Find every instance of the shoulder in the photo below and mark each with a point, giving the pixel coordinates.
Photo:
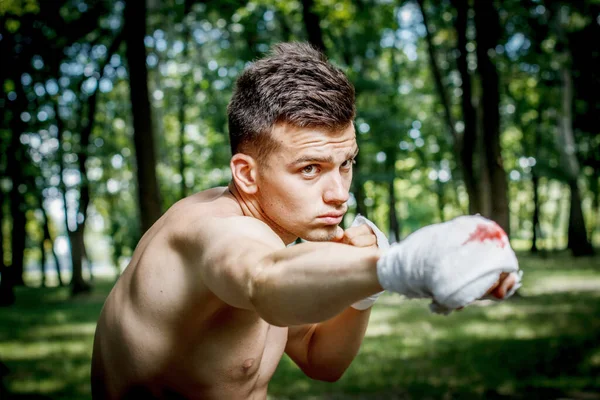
(200, 229)
(209, 218)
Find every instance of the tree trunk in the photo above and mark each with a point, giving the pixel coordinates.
(77, 236)
(483, 180)
(42, 244)
(312, 23)
(359, 190)
(488, 33)
(535, 223)
(14, 166)
(183, 103)
(183, 187)
(535, 181)
(286, 30)
(594, 187)
(56, 264)
(468, 142)
(394, 225)
(359, 194)
(441, 201)
(43, 261)
(117, 245)
(78, 284)
(61, 182)
(7, 295)
(78, 251)
(577, 235)
(48, 237)
(143, 135)
(437, 77)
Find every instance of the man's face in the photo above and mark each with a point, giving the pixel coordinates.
(304, 184)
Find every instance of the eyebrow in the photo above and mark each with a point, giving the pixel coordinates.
(320, 159)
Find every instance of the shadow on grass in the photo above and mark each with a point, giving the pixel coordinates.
(45, 342)
(541, 345)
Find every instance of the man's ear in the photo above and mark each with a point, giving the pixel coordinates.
(243, 170)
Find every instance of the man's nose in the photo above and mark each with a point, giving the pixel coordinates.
(336, 191)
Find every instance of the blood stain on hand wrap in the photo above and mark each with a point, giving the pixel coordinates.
(489, 231)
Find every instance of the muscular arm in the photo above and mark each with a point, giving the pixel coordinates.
(325, 350)
(246, 265)
(312, 282)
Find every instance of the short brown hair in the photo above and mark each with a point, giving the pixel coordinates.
(294, 84)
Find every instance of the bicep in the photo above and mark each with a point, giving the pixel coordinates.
(298, 344)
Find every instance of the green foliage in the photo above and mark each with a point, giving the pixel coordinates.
(18, 8)
(195, 55)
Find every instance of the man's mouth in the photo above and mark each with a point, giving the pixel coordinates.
(332, 218)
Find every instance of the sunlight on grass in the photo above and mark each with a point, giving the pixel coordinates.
(557, 284)
(39, 385)
(547, 340)
(594, 358)
(16, 350)
(67, 330)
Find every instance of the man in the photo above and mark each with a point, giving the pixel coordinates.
(213, 297)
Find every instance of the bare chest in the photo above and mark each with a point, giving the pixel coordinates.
(232, 355)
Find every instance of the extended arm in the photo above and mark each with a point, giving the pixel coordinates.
(312, 282)
(246, 265)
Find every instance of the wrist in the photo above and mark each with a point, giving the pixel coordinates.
(376, 259)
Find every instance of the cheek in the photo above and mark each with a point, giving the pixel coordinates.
(348, 180)
(304, 199)
(287, 193)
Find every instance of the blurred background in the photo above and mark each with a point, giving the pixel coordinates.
(111, 111)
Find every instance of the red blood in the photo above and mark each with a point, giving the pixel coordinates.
(488, 232)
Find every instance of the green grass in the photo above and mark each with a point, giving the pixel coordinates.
(543, 344)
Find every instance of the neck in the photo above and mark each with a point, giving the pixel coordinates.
(251, 208)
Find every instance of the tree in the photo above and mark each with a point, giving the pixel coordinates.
(41, 29)
(467, 144)
(143, 132)
(16, 161)
(312, 23)
(577, 235)
(488, 34)
(7, 295)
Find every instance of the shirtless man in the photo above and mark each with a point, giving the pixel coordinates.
(213, 297)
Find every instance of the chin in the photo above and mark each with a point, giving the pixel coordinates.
(320, 235)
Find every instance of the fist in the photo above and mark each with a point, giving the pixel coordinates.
(502, 286)
(357, 236)
(454, 263)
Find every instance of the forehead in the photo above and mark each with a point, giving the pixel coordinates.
(294, 141)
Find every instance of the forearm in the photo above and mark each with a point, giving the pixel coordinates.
(313, 282)
(335, 343)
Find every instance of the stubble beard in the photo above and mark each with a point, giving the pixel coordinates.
(320, 235)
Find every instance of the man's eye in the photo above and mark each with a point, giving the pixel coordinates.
(348, 163)
(310, 169)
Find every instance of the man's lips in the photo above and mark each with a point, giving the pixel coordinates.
(333, 218)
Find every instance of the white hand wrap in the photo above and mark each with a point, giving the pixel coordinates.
(383, 244)
(454, 263)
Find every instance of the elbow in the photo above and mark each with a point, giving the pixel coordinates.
(331, 375)
(331, 378)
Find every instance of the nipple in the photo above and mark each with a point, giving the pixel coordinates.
(247, 364)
